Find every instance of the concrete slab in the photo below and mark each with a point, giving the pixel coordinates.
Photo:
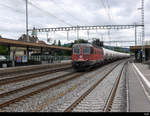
(144, 69)
(138, 99)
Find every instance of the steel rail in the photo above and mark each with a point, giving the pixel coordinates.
(34, 85)
(17, 99)
(7, 103)
(29, 94)
(109, 102)
(31, 76)
(64, 92)
(74, 104)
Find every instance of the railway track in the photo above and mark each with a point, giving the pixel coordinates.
(70, 90)
(110, 100)
(4, 73)
(19, 94)
(107, 105)
(30, 90)
(31, 75)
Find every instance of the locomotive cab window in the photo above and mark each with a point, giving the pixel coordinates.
(91, 50)
(76, 50)
(86, 50)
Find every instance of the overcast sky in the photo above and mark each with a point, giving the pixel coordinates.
(58, 13)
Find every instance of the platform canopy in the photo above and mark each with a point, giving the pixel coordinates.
(16, 43)
(135, 48)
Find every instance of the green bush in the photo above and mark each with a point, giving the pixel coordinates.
(3, 50)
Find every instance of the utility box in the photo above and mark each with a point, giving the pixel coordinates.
(4, 65)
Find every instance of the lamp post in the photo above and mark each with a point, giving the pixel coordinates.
(27, 20)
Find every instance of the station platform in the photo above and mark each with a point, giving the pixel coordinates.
(138, 84)
(31, 67)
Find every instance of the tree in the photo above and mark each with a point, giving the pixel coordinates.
(59, 43)
(68, 45)
(54, 42)
(3, 50)
(33, 39)
(80, 41)
(66, 53)
(118, 49)
(97, 42)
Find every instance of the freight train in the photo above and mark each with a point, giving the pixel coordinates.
(86, 55)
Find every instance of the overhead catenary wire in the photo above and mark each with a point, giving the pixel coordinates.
(69, 14)
(109, 11)
(47, 12)
(15, 10)
(106, 5)
(109, 17)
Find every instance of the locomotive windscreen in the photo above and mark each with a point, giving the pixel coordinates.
(76, 50)
(86, 50)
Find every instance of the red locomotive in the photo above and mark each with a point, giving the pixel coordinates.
(86, 55)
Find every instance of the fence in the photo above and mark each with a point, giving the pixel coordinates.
(35, 59)
(49, 58)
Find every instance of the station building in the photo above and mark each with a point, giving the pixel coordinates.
(20, 50)
(137, 50)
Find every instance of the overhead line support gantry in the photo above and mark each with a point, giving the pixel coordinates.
(74, 28)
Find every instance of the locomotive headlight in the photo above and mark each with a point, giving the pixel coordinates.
(80, 56)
